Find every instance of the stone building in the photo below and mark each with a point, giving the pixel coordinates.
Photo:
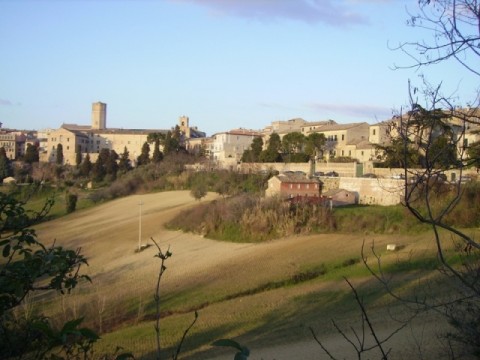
(13, 142)
(229, 146)
(92, 139)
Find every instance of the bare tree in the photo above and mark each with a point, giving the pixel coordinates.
(436, 131)
(455, 29)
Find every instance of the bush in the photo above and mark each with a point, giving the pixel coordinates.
(71, 202)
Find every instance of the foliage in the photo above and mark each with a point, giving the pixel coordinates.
(124, 161)
(31, 154)
(314, 145)
(473, 153)
(78, 156)
(59, 158)
(157, 154)
(272, 152)
(199, 189)
(5, 164)
(71, 202)
(86, 166)
(293, 143)
(253, 154)
(144, 157)
(28, 267)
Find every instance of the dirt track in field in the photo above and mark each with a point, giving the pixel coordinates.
(108, 235)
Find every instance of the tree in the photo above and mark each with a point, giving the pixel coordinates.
(253, 154)
(314, 145)
(171, 143)
(473, 153)
(28, 267)
(432, 128)
(59, 159)
(86, 166)
(272, 152)
(31, 154)
(292, 143)
(111, 165)
(144, 157)
(455, 30)
(5, 166)
(124, 162)
(454, 26)
(199, 189)
(399, 154)
(157, 154)
(99, 169)
(78, 156)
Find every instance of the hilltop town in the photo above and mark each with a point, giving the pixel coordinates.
(357, 141)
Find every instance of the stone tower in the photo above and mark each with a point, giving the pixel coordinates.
(99, 116)
(183, 123)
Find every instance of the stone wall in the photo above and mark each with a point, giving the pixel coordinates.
(374, 191)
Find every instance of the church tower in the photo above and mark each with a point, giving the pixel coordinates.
(183, 123)
(99, 116)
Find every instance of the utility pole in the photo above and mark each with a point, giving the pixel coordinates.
(140, 226)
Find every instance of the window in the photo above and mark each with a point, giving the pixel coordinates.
(291, 186)
(373, 131)
(308, 186)
(336, 139)
(298, 186)
(343, 137)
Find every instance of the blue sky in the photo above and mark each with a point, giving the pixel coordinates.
(224, 63)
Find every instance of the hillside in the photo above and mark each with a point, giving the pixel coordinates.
(255, 293)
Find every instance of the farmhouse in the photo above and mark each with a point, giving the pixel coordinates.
(292, 185)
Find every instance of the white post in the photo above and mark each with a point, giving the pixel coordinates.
(140, 226)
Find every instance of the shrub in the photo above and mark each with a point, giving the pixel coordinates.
(71, 202)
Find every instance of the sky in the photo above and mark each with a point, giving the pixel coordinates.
(223, 63)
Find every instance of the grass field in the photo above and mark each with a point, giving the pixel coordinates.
(264, 295)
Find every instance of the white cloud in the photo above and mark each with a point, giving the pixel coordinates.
(332, 12)
(367, 112)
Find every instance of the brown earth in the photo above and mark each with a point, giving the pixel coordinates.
(108, 235)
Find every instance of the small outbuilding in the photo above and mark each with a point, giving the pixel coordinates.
(341, 197)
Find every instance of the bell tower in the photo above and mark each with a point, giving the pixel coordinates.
(184, 124)
(99, 116)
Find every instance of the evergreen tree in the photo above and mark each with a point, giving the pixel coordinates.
(31, 154)
(78, 156)
(111, 166)
(124, 162)
(86, 166)
(144, 157)
(5, 167)
(59, 160)
(272, 152)
(314, 145)
(157, 154)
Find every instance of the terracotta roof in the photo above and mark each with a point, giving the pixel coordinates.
(294, 178)
(336, 127)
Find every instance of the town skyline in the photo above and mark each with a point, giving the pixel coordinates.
(223, 64)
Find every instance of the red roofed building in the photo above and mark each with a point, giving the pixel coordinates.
(293, 185)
